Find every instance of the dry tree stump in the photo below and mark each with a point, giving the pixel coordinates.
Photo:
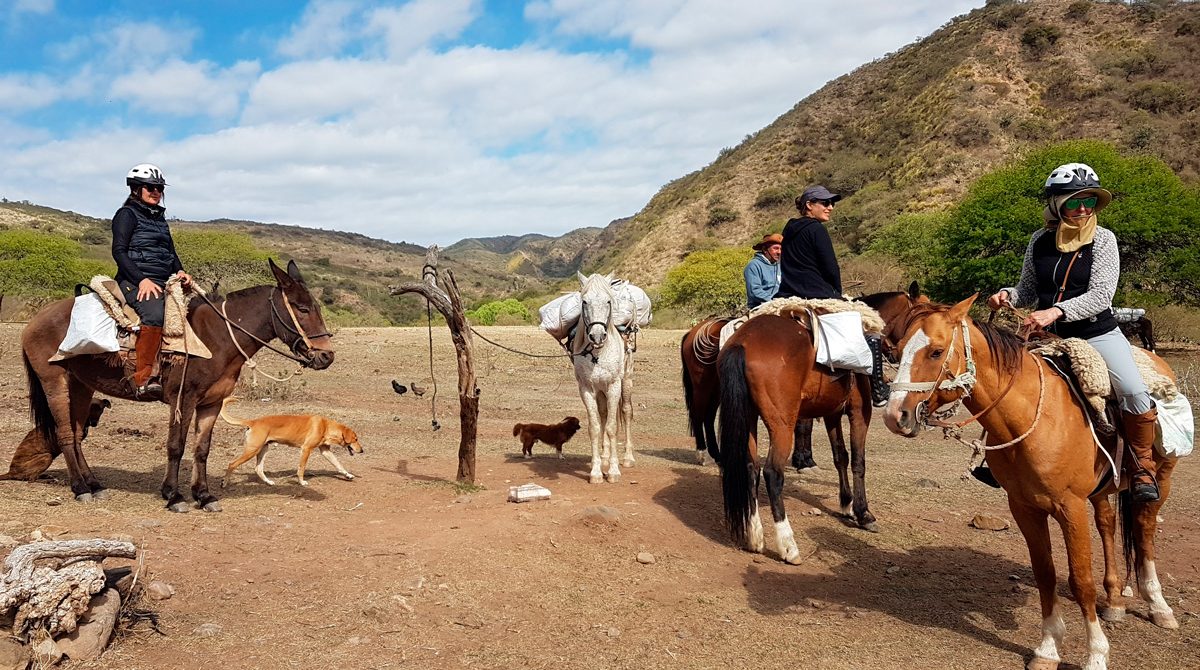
(47, 600)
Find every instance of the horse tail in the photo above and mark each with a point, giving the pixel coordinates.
(688, 392)
(1128, 541)
(738, 481)
(229, 419)
(39, 405)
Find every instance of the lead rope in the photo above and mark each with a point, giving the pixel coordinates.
(250, 362)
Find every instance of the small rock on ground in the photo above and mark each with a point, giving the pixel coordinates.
(160, 590)
(645, 558)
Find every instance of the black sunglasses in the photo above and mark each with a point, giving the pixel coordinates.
(826, 203)
(153, 187)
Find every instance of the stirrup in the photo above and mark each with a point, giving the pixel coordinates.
(1143, 491)
(153, 390)
(984, 474)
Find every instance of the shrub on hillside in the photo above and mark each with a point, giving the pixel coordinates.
(708, 282)
(720, 215)
(773, 196)
(508, 311)
(231, 258)
(34, 263)
(1158, 97)
(1006, 14)
(1039, 38)
(914, 240)
(1155, 217)
(1078, 10)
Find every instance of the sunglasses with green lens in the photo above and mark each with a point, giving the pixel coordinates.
(1076, 203)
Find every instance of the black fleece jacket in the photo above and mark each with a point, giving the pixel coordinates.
(808, 264)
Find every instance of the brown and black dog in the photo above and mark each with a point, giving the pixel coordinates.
(555, 435)
(34, 455)
(304, 431)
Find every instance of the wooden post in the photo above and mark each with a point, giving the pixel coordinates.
(449, 303)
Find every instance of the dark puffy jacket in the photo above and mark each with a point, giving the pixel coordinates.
(142, 244)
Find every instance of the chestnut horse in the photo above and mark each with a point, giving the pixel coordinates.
(701, 392)
(60, 393)
(1038, 448)
(768, 369)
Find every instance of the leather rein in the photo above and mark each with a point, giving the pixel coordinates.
(301, 336)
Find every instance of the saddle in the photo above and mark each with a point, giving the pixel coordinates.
(178, 339)
(806, 310)
(1085, 372)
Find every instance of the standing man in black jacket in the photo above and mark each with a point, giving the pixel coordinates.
(810, 268)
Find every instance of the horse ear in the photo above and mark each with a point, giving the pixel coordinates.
(914, 290)
(282, 278)
(294, 272)
(959, 311)
(582, 279)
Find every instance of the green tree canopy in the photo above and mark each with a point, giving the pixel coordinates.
(488, 312)
(1155, 217)
(708, 281)
(231, 258)
(33, 263)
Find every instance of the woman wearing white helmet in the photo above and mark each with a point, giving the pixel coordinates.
(146, 258)
(1070, 274)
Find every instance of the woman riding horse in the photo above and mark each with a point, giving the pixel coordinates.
(1070, 273)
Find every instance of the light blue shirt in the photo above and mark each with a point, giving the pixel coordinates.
(762, 280)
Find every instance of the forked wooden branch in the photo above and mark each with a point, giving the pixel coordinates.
(449, 303)
(50, 598)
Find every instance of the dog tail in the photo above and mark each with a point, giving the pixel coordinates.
(517, 429)
(229, 419)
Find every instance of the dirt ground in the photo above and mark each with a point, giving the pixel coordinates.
(402, 568)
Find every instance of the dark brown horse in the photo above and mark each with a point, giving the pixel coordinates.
(768, 370)
(60, 393)
(1141, 328)
(701, 391)
(1040, 449)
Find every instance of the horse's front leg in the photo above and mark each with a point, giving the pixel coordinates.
(1036, 529)
(206, 417)
(1072, 516)
(860, 419)
(781, 430)
(612, 417)
(595, 432)
(176, 441)
(1106, 525)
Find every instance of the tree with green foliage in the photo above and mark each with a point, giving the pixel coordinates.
(487, 313)
(230, 257)
(33, 263)
(708, 281)
(1155, 217)
(914, 240)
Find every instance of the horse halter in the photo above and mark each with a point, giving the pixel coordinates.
(963, 381)
(301, 338)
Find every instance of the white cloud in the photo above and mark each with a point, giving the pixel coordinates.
(412, 26)
(187, 88)
(33, 6)
(431, 146)
(322, 31)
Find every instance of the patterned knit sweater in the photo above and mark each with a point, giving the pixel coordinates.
(1106, 270)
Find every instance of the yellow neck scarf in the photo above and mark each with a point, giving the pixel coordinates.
(1070, 234)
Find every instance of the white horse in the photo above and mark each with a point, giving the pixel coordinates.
(603, 368)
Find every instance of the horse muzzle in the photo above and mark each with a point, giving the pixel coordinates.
(901, 419)
(319, 359)
(597, 335)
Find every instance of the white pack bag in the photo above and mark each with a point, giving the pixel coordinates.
(632, 306)
(91, 331)
(1176, 429)
(840, 342)
(560, 314)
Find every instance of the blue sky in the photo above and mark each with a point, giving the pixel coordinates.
(425, 121)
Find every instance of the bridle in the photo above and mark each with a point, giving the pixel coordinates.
(301, 338)
(294, 328)
(589, 348)
(964, 382)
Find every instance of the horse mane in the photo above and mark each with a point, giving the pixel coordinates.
(877, 300)
(1005, 345)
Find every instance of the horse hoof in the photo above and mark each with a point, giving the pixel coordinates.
(1042, 664)
(1113, 614)
(614, 479)
(213, 506)
(526, 455)
(870, 527)
(85, 497)
(700, 458)
(793, 557)
(179, 507)
(1164, 620)
(101, 494)
(808, 469)
(596, 479)
(627, 463)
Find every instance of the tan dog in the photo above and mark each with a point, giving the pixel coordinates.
(555, 435)
(304, 431)
(33, 456)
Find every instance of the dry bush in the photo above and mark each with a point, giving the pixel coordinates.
(1175, 323)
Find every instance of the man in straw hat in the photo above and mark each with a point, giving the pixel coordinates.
(762, 272)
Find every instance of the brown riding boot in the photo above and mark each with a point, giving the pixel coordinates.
(1139, 435)
(145, 385)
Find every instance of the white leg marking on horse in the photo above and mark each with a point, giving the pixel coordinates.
(754, 539)
(916, 343)
(1160, 612)
(1097, 647)
(787, 541)
(1053, 630)
(702, 457)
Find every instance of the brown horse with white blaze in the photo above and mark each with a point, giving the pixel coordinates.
(60, 393)
(1039, 448)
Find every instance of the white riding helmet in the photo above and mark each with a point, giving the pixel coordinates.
(1070, 178)
(145, 173)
